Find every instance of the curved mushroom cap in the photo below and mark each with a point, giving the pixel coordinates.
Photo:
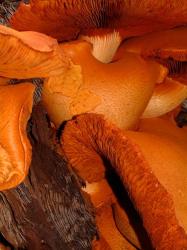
(151, 197)
(119, 90)
(34, 54)
(160, 44)
(66, 19)
(164, 147)
(166, 97)
(15, 149)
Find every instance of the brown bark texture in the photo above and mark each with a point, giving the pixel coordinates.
(47, 211)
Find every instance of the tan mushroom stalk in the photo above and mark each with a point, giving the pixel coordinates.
(15, 149)
(104, 45)
(120, 90)
(150, 196)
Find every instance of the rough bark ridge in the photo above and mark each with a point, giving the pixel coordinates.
(48, 210)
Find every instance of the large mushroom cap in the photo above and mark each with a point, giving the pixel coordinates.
(66, 19)
(120, 90)
(154, 198)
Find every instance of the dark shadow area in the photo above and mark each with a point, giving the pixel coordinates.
(127, 205)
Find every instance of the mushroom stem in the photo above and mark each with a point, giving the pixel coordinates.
(104, 45)
(150, 198)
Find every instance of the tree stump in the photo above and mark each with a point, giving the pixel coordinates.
(48, 211)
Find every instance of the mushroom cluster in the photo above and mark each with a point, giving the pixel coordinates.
(116, 72)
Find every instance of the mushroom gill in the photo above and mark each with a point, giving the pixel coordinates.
(66, 19)
(15, 149)
(152, 197)
(34, 54)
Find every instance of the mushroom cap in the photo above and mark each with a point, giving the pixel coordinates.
(15, 149)
(34, 54)
(164, 148)
(151, 197)
(170, 49)
(166, 97)
(66, 19)
(160, 44)
(120, 90)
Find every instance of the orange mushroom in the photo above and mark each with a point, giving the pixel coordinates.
(15, 149)
(120, 90)
(166, 97)
(23, 55)
(149, 192)
(66, 19)
(34, 54)
(168, 48)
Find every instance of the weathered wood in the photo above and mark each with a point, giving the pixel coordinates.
(48, 210)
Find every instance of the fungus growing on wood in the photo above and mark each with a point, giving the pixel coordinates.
(145, 77)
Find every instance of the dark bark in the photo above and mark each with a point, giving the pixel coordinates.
(47, 211)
